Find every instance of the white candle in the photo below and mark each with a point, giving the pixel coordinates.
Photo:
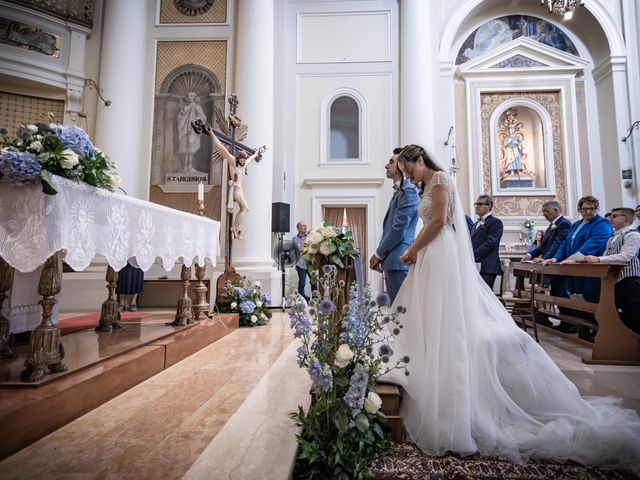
(201, 192)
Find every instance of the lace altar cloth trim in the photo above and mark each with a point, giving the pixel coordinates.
(85, 221)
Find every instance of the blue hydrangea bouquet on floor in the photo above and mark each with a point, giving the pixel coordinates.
(345, 352)
(42, 149)
(244, 297)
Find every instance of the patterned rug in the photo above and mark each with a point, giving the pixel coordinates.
(406, 462)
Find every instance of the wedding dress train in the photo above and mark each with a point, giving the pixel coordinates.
(477, 382)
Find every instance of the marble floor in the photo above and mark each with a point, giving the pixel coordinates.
(222, 414)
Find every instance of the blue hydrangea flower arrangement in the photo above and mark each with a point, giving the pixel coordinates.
(344, 353)
(44, 149)
(245, 298)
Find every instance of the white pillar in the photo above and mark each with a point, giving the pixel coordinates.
(254, 87)
(416, 79)
(118, 126)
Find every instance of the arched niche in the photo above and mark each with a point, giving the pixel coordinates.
(187, 92)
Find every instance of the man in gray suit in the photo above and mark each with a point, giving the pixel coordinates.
(398, 229)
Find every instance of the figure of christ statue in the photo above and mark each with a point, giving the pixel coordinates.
(237, 171)
(189, 141)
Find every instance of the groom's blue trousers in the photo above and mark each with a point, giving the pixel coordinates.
(394, 279)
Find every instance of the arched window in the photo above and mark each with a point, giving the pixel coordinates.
(344, 130)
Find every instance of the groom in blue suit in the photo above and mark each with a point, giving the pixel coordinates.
(398, 229)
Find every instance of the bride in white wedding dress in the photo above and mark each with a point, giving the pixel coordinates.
(479, 383)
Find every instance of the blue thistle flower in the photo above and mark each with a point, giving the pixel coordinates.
(385, 350)
(327, 269)
(326, 306)
(383, 300)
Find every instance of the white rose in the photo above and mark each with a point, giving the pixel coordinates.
(314, 237)
(234, 305)
(257, 284)
(114, 180)
(97, 150)
(328, 232)
(263, 316)
(311, 249)
(372, 403)
(35, 145)
(324, 248)
(53, 126)
(38, 137)
(32, 128)
(258, 304)
(254, 319)
(70, 159)
(343, 356)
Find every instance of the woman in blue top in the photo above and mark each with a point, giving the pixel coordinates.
(587, 236)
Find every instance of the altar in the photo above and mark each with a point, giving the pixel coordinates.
(37, 231)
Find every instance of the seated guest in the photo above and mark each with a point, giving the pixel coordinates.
(587, 236)
(555, 234)
(537, 240)
(607, 216)
(485, 239)
(624, 246)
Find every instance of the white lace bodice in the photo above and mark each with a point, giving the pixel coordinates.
(441, 180)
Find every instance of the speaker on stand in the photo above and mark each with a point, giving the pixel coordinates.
(285, 251)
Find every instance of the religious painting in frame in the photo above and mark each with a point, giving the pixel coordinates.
(521, 149)
(534, 120)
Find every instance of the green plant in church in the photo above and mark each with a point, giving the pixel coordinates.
(344, 352)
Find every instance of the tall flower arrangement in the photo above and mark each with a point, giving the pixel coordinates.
(244, 297)
(344, 352)
(326, 240)
(41, 149)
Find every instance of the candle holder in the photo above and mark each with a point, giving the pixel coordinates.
(200, 304)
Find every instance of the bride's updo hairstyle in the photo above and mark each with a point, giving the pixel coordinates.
(412, 152)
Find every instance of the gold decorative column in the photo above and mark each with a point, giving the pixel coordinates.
(184, 313)
(110, 315)
(45, 348)
(5, 286)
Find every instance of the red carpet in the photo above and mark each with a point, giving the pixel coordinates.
(90, 320)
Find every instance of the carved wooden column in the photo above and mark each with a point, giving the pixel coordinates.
(5, 327)
(45, 348)
(110, 315)
(184, 313)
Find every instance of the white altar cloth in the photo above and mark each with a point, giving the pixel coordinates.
(85, 221)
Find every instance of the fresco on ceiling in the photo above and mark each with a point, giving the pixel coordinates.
(501, 30)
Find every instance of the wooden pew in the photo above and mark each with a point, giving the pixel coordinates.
(614, 343)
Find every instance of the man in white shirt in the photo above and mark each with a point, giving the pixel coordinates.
(624, 246)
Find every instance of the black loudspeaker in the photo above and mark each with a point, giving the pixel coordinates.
(279, 217)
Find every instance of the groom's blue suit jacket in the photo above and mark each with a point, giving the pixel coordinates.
(399, 227)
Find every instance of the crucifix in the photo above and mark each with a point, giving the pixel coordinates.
(236, 160)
